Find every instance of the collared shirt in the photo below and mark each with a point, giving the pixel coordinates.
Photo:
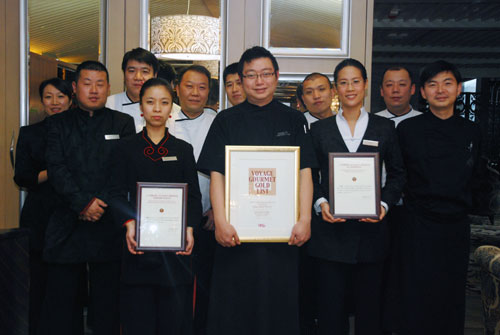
(194, 131)
(311, 118)
(398, 118)
(122, 103)
(351, 141)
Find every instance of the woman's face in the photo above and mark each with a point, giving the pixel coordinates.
(54, 101)
(156, 104)
(350, 87)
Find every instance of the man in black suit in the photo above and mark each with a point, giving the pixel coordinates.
(350, 253)
(81, 232)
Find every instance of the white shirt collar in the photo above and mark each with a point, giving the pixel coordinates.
(352, 141)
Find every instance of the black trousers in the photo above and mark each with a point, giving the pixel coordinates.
(433, 268)
(337, 282)
(203, 260)
(308, 307)
(63, 297)
(156, 310)
(391, 305)
(38, 283)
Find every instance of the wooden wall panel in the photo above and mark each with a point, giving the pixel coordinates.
(123, 34)
(40, 69)
(9, 109)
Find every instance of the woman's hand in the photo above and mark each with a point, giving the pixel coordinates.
(189, 243)
(326, 215)
(381, 216)
(130, 237)
(42, 176)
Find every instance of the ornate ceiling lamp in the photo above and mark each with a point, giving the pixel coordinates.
(185, 37)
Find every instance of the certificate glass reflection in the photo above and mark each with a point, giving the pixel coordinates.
(354, 185)
(261, 192)
(161, 216)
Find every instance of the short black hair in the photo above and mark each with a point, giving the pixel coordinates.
(349, 62)
(196, 68)
(314, 75)
(156, 82)
(60, 84)
(230, 69)
(254, 53)
(299, 92)
(166, 71)
(93, 66)
(431, 70)
(142, 56)
(397, 67)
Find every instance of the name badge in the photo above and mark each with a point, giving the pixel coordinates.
(169, 159)
(112, 137)
(370, 143)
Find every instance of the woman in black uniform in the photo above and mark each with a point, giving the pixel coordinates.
(31, 174)
(350, 253)
(156, 292)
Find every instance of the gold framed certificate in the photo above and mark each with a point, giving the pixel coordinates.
(354, 185)
(261, 185)
(161, 216)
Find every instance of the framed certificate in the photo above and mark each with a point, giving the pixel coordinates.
(262, 191)
(161, 216)
(354, 185)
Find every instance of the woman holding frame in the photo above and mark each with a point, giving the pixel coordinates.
(156, 291)
(350, 253)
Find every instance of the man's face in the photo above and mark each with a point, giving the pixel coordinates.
(91, 90)
(234, 90)
(397, 90)
(317, 96)
(260, 81)
(441, 91)
(136, 74)
(193, 92)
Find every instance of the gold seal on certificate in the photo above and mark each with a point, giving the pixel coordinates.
(354, 185)
(161, 216)
(262, 191)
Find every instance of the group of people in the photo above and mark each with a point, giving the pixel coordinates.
(403, 272)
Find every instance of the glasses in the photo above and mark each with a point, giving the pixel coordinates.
(254, 76)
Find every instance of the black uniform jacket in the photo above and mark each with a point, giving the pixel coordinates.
(354, 241)
(41, 199)
(78, 156)
(138, 159)
(442, 162)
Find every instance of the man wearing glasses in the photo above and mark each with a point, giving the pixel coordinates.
(255, 285)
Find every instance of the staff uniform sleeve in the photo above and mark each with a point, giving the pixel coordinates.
(26, 168)
(396, 173)
(319, 191)
(194, 211)
(213, 153)
(119, 191)
(303, 139)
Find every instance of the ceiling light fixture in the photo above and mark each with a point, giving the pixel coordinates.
(186, 37)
